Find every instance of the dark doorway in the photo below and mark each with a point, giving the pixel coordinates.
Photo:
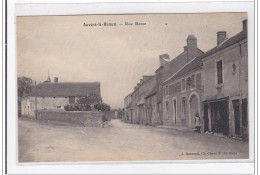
(174, 111)
(244, 113)
(236, 116)
(220, 117)
(206, 118)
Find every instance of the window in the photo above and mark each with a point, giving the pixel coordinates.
(166, 90)
(58, 107)
(183, 85)
(192, 81)
(71, 99)
(219, 72)
(159, 107)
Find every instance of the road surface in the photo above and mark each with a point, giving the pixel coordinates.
(41, 141)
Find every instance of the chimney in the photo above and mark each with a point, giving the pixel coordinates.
(244, 24)
(191, 47)
(55, 79)
(221, 36)
(163, 59)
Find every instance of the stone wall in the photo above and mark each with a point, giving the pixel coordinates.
(85, 118)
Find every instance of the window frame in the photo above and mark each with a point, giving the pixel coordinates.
(183, 85)
(216, 72)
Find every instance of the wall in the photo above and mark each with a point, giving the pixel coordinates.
(85, 118)
(151, 111)
(29, 104)
(235, 85)
(232, 84)
(184, 116)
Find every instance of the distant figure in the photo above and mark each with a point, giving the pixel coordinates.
(197, 122)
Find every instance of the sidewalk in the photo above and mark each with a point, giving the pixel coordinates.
(186, 129)
(179, 128)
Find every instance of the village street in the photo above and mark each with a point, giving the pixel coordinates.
(42, 141)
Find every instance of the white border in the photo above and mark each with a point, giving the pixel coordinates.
(119, 8)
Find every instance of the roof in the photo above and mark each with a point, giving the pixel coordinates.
(235, 39)
(152, 92)
(176, 64)
(195, 63)
(66, 89)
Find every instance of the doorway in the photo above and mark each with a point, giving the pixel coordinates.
(174, 102)
(236, 116)
(206, 118)
(220, 117)
(194, 109)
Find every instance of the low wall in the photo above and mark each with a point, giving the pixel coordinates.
(85, 118)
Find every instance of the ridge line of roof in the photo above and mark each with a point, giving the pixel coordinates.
(179, 70)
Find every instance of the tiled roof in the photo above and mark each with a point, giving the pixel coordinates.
(175, 64)
(187, 68)
(66, 89)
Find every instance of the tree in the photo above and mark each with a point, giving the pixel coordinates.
(102, 107)
(24, 86)
(88, 100)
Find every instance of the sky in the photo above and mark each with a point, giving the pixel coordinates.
(116, 56)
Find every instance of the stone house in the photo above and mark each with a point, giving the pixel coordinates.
(151, 110)
(142, 89)
(169, 68)
(56, 95)
(225, 82)
(128, 108)
(182, 95)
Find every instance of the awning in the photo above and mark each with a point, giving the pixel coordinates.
(215, 100)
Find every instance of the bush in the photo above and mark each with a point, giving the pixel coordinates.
(102, 107)
(77, 107)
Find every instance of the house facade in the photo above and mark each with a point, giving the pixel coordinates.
(128, 108)
(50, 96)
(142, 89)
(225, 81)
(182, 95)
(169, 68)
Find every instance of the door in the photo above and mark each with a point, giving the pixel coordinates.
(174, 102)
(236, 116)
(220, 117)
(244, 113)
(206, 118)
(194, 109)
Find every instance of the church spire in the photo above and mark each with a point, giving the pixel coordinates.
(48, 79)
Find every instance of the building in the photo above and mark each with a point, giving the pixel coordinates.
(182, 95)
(168, 68)
(212, 84)
(225, 82)
(143, 88)
(128, 108)
(56, 95)
(152, 112)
